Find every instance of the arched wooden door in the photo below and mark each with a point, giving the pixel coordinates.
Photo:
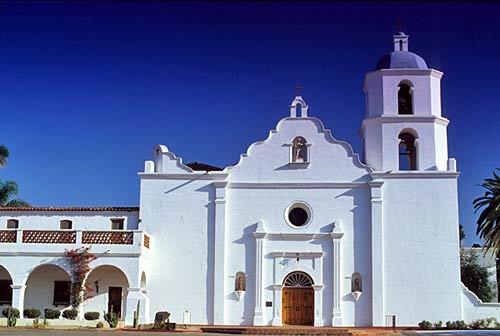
(298, 299)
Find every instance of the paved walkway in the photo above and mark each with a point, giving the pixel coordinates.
(93, 332)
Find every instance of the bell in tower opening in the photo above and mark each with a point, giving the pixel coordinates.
(404, 99)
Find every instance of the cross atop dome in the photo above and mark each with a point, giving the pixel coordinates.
(298, 90)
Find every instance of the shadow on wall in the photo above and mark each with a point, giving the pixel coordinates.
(361, 233)
(209, 278)
(249, 300)
(326, 247)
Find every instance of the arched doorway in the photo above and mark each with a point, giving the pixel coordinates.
(5, 287)
(109, 290)
(298, 299)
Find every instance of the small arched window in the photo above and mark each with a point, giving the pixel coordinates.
(356, 282)
(240, 282)
(299, 150)
(407, 152)
(12, 224)
(405, 99)
(65, 224)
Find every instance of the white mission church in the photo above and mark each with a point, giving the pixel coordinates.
(301, 231)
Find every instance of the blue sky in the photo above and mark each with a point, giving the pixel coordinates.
(87, 89)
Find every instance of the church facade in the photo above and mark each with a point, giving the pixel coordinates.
(301, 231)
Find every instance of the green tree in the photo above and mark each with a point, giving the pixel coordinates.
(4, 154)
(474, 276)
(8, 189)
(461, 234)
(488, 222)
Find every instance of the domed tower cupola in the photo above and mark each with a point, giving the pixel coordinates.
(401, 58)
(403, 128)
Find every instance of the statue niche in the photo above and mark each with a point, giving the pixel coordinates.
(299, 150)
(240, 282)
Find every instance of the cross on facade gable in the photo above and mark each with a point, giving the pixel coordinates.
(158, 150)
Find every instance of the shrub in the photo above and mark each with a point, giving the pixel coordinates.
(14, 312)
(70, 314)
(457, 325)
(438, 325)
(92, 315)
(99, 325)
(11, 314)
(32, 313)
(51, 314)
(112, 319)
(479, 324)
(493, 323)
(425, 325)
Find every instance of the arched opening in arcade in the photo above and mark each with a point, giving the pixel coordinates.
(48, 286)
(5, 288)
(108, 290)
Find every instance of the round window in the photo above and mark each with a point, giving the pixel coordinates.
(298, 214)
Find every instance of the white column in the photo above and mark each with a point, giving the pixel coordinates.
(318, 305)
(219, 253)
(79, 237)
(259, 235)
(134, 296)
(278, 291)
(144, 315)
(378, 309)
(337, 276)
(18, 298)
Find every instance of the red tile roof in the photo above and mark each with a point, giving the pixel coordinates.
(200, 166)
(121, 209)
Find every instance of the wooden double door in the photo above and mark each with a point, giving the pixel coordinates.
(298, 306)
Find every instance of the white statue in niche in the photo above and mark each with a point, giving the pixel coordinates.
(299, 149)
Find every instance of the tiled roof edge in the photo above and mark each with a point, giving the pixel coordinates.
(125, 209)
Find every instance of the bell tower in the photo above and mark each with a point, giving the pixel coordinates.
(403, 128)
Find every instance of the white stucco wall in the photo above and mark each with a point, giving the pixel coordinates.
(180, 217)
(348, 207)
(82, 220)
(421, 253)
(473, 308)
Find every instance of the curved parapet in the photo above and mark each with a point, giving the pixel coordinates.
(164, 162)
(474, 308)
(327, 157)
